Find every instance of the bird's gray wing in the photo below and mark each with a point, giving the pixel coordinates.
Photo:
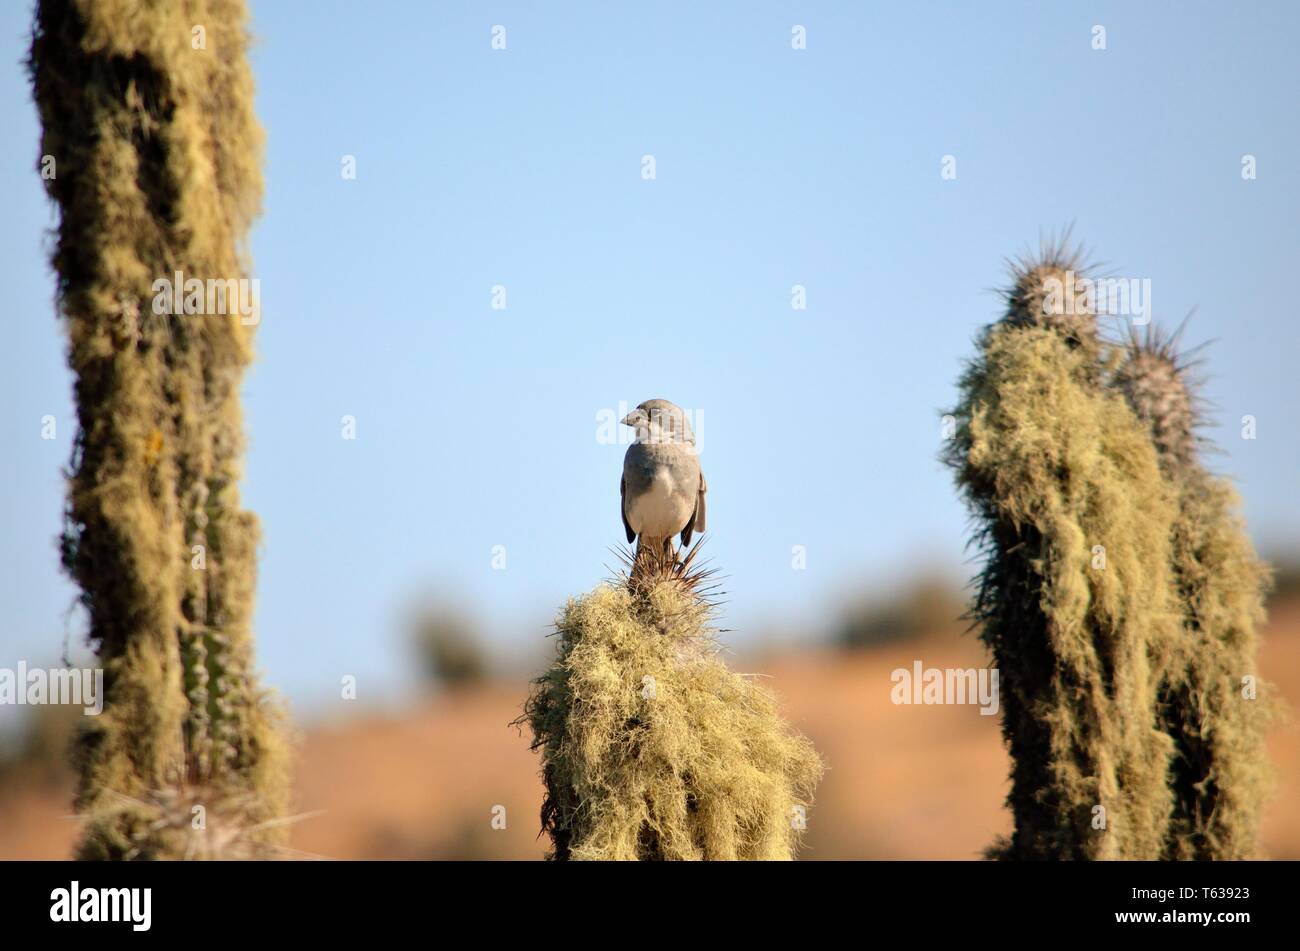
(622, 509)
(699, 503)
(696, 524)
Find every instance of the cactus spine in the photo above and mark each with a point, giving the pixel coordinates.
(147, 109)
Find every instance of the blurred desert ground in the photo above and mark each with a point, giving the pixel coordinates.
(904, 782)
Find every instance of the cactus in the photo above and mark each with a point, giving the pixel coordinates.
(146, 108)
(651, 748)
(1160, 389)
(1123, 677)
(1219, 772)
(1039, 296)
(1075, 599)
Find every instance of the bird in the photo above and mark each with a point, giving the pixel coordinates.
(663, 487)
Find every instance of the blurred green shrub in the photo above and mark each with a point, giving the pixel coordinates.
(449, 647)
(927, 605)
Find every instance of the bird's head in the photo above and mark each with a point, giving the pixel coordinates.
(660, 421)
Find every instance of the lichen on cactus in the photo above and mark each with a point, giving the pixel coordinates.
(651, 748)
(146, 108)
(1212, 704)
(1074, 601)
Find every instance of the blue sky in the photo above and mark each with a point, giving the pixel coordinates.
(774, 167)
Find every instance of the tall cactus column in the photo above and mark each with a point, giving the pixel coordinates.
(1212, 704)
(147, 113)
(1075, 600)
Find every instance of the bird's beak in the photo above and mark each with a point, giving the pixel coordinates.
(637, 416)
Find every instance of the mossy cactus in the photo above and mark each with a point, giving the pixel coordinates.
(651, 748)
(1073, 520)
(1120, 594)
(147, 113)
(1212, 705)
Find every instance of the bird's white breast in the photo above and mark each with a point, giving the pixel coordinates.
(663, 509)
